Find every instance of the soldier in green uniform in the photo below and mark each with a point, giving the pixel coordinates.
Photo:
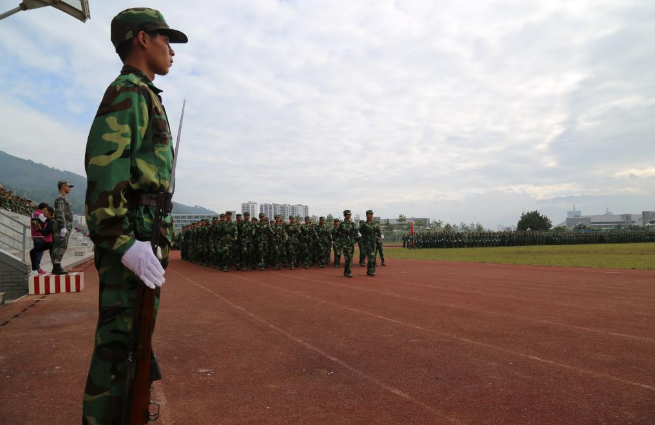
(63, 226)
(228, 241)
(308, 237)
(348, 235)
(378, 243)
(293, 231)
(323, 243)
(129, 156)
(368, 232)
(279, 242)
(263, 232)
(245, 240)
(336, 243)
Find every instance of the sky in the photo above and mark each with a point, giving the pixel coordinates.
(456, 111)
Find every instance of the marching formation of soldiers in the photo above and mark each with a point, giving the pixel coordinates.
(488, 239)
(251, 243)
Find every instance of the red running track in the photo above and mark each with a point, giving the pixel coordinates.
(420, 343)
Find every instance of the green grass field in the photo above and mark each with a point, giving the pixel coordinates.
(616, 256)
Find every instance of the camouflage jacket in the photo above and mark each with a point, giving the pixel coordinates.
(63, 212)
(347, 233)
(324, 234)
(129, 151)
(294, 233)
(308, 233)
(368, 231)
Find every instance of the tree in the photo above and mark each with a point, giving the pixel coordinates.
(436, 225)
(534, 221)
(479, 227)
(448, 227)
(388, 226)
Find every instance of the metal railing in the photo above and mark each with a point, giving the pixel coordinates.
(13, 240)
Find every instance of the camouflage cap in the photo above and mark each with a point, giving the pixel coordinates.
(369, 212)
(239, 215)
(336, 220)
(346, 212)
(61, 183)
(127, 24)
(246, 213)
(308, 218)
(222, 215)
(321, 218)
(228, 212)
(292, 217)
(277, 216)
(262, 215)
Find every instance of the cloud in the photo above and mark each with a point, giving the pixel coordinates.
(438, 109)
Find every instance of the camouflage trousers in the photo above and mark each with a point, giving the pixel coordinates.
(369, 251)
(262, 250)
(59, 247)
(348, 251)
(105, 389)
(338, 249)
(380, 250)
(292, 253)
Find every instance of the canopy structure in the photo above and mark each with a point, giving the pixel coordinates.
(78, 9)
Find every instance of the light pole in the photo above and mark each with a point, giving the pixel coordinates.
(78, 9)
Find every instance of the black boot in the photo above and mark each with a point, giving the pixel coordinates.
(56, 269)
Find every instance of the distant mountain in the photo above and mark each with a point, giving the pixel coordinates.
(38, 183)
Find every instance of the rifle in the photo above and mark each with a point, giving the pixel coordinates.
(141, 363)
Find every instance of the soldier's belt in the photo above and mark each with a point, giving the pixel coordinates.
(150, 200)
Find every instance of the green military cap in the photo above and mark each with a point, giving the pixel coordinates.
(222, 215)
(246, 213)
(321, 218)
(308, 218)
(262, 215)
(277, 216)
(239, 215)
(61, 183)
(336, 220)
(346, 212)
(369, 211)
(127, 24)
(228, 212)
(292, 217)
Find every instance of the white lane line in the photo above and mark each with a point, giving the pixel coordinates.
(470, 341)
(518, 298)
(305, 344)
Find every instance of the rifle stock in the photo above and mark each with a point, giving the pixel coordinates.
(139, 358)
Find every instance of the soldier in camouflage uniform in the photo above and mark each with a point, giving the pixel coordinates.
(368, 231)
(378, 243)
(263, 231)
(308, 237)
(62, 227)
(279, 242)
(228, 241)
(338, 249)
(323, 244)
(245, 240)
(129, 156)
(348, 235)
(293, 232)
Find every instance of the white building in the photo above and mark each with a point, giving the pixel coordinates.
(250, 207)
(181, 220)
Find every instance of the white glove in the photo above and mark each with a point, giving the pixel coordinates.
(143, 263)
(63, 232)
(42, 217)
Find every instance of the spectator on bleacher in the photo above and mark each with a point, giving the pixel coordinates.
(15, 203)
(63, 225)
(37, 224)
(47, 231)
